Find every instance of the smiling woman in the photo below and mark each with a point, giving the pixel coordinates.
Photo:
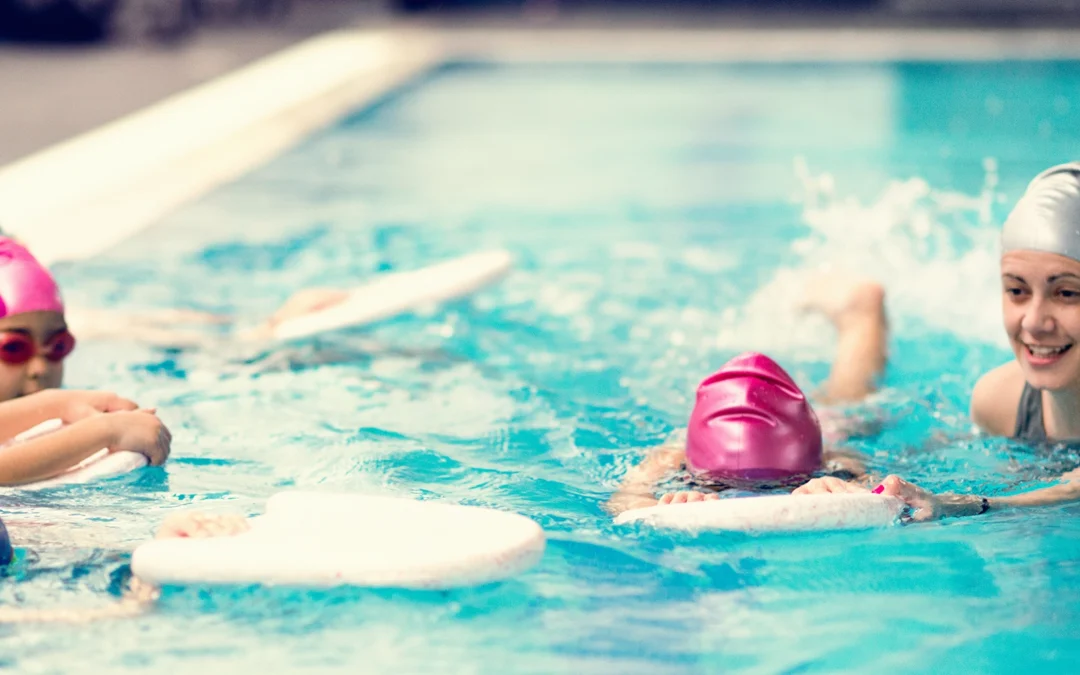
(1041, 308)
(1036, 397)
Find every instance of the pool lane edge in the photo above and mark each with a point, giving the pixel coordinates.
(82, 196)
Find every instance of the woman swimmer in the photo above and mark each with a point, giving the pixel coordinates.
(1036, 396)
(752, 428)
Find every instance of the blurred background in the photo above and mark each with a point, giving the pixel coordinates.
(68, 66)
(169, 21)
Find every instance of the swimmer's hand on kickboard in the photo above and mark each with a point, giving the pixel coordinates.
(139, 431)
(199, 525)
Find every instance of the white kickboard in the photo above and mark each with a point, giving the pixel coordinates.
(396, 293)
(774, 513)
(317, 539)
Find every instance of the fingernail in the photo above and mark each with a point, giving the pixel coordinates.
(878, 490)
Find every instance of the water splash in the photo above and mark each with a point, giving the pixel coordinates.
(935, 251)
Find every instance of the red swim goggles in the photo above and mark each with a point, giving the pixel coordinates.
(18, 348)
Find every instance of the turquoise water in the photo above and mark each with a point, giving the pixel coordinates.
(664, 218)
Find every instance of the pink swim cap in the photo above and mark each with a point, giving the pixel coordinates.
(25, 284)
(752, 422)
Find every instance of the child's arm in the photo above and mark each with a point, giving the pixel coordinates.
(21, 414)
(140, 595)
(162, 328)
(52, 454)
(636, 490)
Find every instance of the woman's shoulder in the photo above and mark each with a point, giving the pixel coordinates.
(995, 399)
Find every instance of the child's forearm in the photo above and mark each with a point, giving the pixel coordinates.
(51, 455)
(21, 414)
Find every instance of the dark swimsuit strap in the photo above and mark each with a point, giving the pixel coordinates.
(1029, 416)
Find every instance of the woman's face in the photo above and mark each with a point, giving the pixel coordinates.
(1041, 310)
(42, 330)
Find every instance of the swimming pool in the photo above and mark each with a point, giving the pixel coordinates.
(662, 221)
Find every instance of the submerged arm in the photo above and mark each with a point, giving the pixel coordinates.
(637, 488)
(137, 599)
(139, 595)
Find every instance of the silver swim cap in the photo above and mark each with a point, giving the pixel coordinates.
(1047, 217)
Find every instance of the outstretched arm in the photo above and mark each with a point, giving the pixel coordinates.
(926, 505)
(164, 328)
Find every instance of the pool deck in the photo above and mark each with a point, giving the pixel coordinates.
(171, 124)
(65, 90)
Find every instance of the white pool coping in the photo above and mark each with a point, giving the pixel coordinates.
(81, 197)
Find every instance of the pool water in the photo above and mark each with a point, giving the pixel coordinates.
(663, 218)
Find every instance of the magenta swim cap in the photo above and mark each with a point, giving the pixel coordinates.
(25, 284)
(752, 422)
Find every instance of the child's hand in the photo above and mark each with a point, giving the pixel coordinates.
(196, 524)
(308, 301)
(827, 485)
(688, 496)
(72, 405)
(139, 431)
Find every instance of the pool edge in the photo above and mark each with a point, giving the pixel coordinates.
(64, 206)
